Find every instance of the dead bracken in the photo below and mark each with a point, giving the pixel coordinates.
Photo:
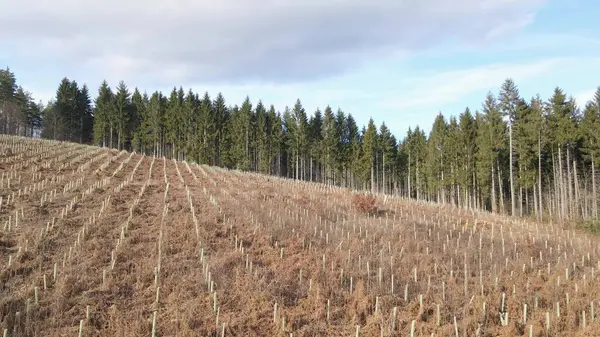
(365, 203)
(132, 245)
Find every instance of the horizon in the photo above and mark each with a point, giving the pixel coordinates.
(351, 57)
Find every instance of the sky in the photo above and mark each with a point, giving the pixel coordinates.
(398, 61)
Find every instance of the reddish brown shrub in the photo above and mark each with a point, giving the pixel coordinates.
(365, 203)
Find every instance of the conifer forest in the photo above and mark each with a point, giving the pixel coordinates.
(526, 156)
(128, 213)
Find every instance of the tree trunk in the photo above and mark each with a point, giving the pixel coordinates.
(535, 203)
(297, 166)
(372, 177)
(409, 164)
(512, 185)
(383, 170)
(501, 190)
(417, 180)
(540, 204)
(557, 194)
(520, 192)
(594, 193)
(570, 182)
(494, 207)
(578, 204)
(562, 185)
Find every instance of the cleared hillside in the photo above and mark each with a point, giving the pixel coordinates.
(117, 244)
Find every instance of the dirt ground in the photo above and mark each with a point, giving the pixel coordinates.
(118, 244)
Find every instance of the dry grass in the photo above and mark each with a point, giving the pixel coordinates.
(262, 241)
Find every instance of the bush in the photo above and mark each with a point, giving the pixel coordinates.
(591, 225)
(365, 203)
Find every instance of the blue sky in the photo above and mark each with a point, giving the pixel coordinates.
(400, 62)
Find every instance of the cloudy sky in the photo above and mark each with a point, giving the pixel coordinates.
(398, 61)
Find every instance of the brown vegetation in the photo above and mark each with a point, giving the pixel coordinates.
(365, 203)
(116, 243)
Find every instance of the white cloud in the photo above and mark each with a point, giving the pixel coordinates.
(584, 96)
(451, 86)
(159, 42)
(509, 27)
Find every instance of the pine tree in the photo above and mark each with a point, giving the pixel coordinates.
(296, 125)
(369, 147)
(205, 129)
(66, 109)
(220, 118)
(329, 145)
(136, 128)
(468, 150)
(562, 127)
(122, 114)
(453, 159)
(26, 112)
(315, 126)
(351, 148)
(491, 140)
(262, 135)
(276, 141)
(435, 159)
(590, 126)
(242, 136)
(508, 103)
(8, 105)
(342, 158)
(49, 121)
(105, 106)
(387, 146)
(85, 115)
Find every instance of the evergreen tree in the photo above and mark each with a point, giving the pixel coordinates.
(468, 151)
(435, 158)
(509, 104)
(86, 116)
(387, 145)
(136, 128)
(105, 106)
(262, 135)
(122, 114)
(590, 132)
(369, 147)
(242, 136)
(66, 111)
(351, 148)
(220, 118)
(296, 125)
(329, 145)
(8, 105)
(205, 130)
(315, 126)
(562, 127)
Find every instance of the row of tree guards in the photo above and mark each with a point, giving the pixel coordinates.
(513, 155)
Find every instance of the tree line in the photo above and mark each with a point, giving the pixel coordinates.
(512, 155)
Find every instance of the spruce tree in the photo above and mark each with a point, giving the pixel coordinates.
(369, 146)
(435, 159)
(508, 103)
(330, 139)
(105, 106)
(315, 125)
(122, 114)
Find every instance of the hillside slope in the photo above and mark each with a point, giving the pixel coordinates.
(119, 244)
